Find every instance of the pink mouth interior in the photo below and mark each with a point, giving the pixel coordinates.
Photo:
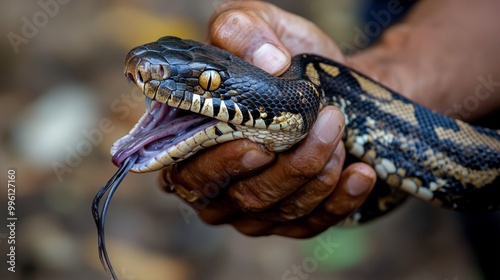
(158, 130)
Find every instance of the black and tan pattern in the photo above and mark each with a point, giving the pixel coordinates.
(415, 151)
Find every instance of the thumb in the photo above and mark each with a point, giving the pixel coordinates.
(267, 36)
(245, 33)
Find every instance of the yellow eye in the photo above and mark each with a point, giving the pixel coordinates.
(210, 80)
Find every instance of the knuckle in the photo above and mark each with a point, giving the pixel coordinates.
(194, 174)
(231, 21)
(287, 213)
(290, 209)
(257, 204)
(306, 167)
(250, 200)
(341, 208)
(328, 179)
(235, 16)
(316, 191)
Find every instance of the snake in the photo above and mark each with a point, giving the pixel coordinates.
(198, 96)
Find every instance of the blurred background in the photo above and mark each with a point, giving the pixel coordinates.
(64, 100)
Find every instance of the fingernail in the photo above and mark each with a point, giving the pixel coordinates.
(357, 185)
(328, 125)
(189, 196)
(269, 58)
(254, 159)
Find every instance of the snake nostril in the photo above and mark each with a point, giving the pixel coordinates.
(161, 71)
(139, 77)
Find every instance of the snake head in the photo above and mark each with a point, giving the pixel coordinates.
(204, 96)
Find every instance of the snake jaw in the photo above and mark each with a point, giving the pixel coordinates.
(158, 137)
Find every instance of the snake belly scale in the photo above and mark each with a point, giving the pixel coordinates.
(207, 96)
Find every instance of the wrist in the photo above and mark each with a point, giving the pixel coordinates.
(417, 61)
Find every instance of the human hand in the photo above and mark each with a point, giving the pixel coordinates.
(448, 67)
(298, 193)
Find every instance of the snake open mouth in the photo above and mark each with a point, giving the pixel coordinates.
(160, 128)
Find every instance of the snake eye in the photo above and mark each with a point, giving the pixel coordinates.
(210, 80)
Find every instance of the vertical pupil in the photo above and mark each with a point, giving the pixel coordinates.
(209, 83)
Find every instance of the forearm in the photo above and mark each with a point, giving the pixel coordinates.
(444, 55)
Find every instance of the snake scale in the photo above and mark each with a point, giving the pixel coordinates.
(206, 96)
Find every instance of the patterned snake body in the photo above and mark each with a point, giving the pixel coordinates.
(414, 150)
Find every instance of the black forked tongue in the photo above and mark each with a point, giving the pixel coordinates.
(100, 217)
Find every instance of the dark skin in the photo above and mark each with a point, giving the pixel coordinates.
(303, 191)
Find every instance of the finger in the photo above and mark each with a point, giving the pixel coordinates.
(299, 204)
(220, 210)
(309, 196)
(293, 168)
(267, 36)
(211, 171)
(355, 185)
(252, 227)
